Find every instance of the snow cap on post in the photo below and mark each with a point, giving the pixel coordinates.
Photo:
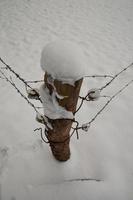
(64, 61)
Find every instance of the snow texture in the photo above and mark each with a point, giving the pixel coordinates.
(64, 60)
(104, 30)
(52, 109)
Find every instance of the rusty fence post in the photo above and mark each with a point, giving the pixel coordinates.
(64, 64)
(59, 136)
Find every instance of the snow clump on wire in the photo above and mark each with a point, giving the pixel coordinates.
(94, 94)
(64, 61)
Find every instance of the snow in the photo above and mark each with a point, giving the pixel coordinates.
(41, 118)
(52, 109)
(94, 94)
(85, 127)
(104, 30)
(64, 60)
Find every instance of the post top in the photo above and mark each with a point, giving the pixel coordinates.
(64, 60)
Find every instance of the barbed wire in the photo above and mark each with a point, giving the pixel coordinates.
(98, 76)
(90, 96)
(83, 179)
(16, 88)
(41, 133)
(87, 97)
(58, 142)
(18, 76)
(106, 104)
(114, 77)
(36, 81)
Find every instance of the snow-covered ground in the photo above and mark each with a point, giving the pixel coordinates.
(28, 171)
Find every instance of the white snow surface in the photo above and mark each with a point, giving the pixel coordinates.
(52, 109)
(64, 60)
(104, 30)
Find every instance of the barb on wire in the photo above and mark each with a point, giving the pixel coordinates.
(36, 81)
(105, 96)
(18, 76)
(98, 76)
(83, 179)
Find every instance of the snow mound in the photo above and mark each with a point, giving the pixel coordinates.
(64, 60)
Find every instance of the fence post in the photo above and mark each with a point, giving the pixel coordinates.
(59, 136)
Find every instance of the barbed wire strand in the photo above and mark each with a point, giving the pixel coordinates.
(22, 95)
(36, 81)
(106, 104)
(123, 70)
(58, 142)
(99, 76)
(18, 76)
(85, 98)
(83, 179)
